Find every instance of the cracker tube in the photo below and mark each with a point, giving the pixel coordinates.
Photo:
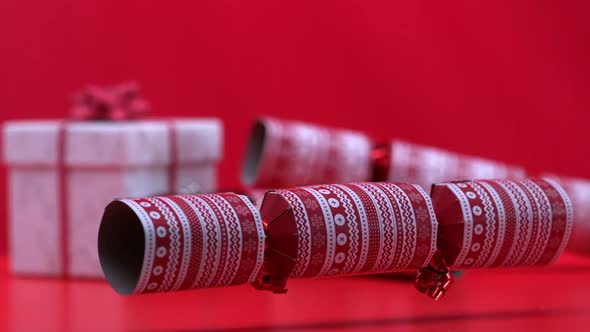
(169, 243)
(283, 154)
(348, 229)
(499, 223)
(579, 192)
(414, 163)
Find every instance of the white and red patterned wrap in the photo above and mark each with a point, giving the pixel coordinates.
(492, 223)
(401, 161)
(346, 229)
(169, 243)
(579, 192)
(284, 154)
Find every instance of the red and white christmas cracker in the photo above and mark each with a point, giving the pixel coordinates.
(169, 243)
(579, 192)
(284, 154)
(493, 223)
(414, 163)
(347, 229)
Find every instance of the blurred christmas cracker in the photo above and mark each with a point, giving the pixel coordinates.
(287, 153)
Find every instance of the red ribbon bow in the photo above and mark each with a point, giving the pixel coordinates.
(111, 103)
(435, 279)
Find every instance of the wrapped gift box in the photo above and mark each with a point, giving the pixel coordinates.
(61, 174)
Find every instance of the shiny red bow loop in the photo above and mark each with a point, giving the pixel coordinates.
(110, 103)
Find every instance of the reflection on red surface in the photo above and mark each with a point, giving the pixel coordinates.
(525, 299)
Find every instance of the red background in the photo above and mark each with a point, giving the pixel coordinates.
(503, 79)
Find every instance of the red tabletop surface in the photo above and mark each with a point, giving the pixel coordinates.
(546, 299)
